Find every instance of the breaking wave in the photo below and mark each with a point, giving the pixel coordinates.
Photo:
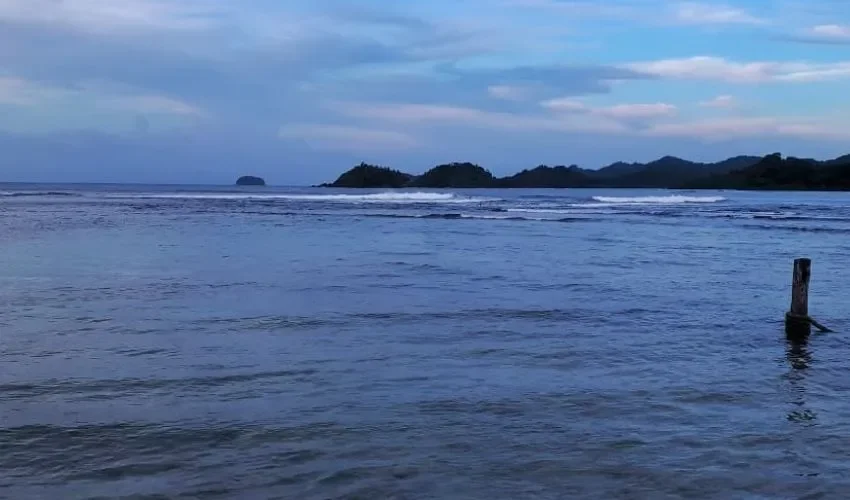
(387, 197)
(647, 200)
(575, 209)
(28, 194)
(391, 197)
(459, 216)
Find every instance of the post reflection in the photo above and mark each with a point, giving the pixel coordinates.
(799, 358)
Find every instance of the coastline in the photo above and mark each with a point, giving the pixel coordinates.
(771, 172)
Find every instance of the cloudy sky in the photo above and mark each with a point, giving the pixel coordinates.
(201, 91)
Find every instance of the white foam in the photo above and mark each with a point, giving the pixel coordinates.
(496, 217)
(745, 214)
(539, 210)
(486, 217)
(33, 194)
(387, 197)
(576, 209)
(390, 197)
(654, 200)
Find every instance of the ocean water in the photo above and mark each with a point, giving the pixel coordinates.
(197, 342)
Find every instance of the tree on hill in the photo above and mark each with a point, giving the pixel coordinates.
(543, 175)
(774, 172)
(740, 172)
(365, 176)
(457, 175)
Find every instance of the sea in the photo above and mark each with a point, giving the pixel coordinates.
(301, 343)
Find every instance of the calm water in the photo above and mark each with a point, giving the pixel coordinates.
(162, 342)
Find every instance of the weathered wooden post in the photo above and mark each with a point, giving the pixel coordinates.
(797, 321)
(800, 287)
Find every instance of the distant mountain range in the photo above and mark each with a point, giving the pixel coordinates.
(740, 172)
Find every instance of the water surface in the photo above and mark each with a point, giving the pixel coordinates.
(311, 344)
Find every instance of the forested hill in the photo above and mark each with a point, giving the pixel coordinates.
(774, 172)
(740, 172)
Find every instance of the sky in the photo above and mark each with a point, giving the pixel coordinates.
(297, 91)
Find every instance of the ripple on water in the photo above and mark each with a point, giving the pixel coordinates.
(280, 348)
(118, 388)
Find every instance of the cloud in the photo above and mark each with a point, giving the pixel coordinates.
(721, 101)
(562, 78)
(494, 89)
(569, 116)
(250, 65)
(19, 92)
(617, 10)
(647, 11)
(254, 68)
(719, 69)
(347, 138)
(621, 112)
(114, 16)
(202, 154)
(153, 104)
(706, 13)
(833, 34)
(461, 75)
(638, 111)
(25, 93)
(566, 105)
(732, 128)
(422, 114)
(244, 80)
(508, 92)
(832, 31)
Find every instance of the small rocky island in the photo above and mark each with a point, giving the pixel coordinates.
(250, 180)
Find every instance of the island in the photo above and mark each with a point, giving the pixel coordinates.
(786, 174)
(250, 180)
(669, 172)
(455, 175)
(371, 176)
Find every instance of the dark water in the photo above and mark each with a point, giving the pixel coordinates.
(311, 344)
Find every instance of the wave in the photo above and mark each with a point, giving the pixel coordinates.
(387, 197)
(449, 216)
(800, 229)
(460, 216)
(391, 197)
(577, 209)
(27, 194)
(646, 200)
(795, 217)
(772, 215)
(743, 214)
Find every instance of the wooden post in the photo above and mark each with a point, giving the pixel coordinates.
(800, 287)
(797, 321)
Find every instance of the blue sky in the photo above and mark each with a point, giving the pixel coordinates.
(299, 90)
